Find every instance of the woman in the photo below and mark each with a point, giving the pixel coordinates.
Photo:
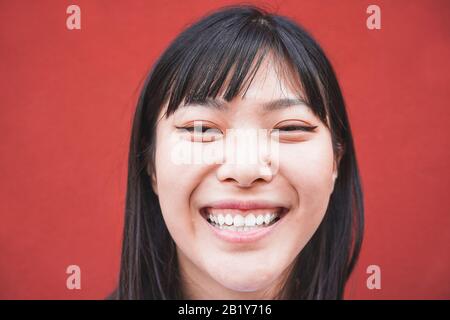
(287, 226)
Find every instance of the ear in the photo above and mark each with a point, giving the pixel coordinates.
(335, 170)
(336, 163)
(334, 175)
(152, 175)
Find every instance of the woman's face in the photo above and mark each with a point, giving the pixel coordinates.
(239, 223)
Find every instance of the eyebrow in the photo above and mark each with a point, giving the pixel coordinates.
(267, 106)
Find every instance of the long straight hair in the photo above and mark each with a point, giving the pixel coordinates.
(230, 43)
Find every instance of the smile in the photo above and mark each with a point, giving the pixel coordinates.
(240, 222)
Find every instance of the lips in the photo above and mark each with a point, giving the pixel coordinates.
(243, 208)
(237, 220)
(245, 204)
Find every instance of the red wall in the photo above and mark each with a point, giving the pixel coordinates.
(66, 104)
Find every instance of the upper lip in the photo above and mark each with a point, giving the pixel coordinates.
(244, 204)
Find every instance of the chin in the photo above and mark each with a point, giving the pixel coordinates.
(246, 282)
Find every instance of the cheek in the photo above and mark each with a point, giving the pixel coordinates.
(308, 168)
(175, 184)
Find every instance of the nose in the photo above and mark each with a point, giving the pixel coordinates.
(245, 164)
(244, 175)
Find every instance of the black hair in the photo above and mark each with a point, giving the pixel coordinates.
(229, 44)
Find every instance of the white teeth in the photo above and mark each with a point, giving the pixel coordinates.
(238, 222)
(250, 220)
(259, 220)
(229, 219)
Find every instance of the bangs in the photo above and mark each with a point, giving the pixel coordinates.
(222, 59)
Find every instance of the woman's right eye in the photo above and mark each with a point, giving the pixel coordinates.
(201, 129)
(202, 133)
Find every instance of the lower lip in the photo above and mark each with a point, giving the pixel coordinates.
(244, 236)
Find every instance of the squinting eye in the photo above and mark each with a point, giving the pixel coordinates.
(297, 128)
(201, 129)
(202, 133)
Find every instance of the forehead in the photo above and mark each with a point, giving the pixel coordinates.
(273, 81)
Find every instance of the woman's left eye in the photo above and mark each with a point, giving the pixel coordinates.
(297, 128)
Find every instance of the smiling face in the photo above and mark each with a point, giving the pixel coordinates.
(239, 225)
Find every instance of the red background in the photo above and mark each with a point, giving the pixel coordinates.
(66, 105)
